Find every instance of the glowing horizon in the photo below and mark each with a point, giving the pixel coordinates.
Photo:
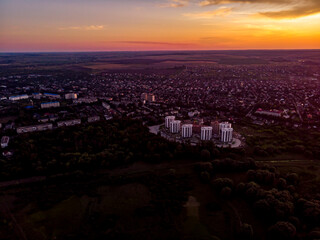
(152, 25)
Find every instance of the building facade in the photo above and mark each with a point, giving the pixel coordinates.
(215, 127)
(93, 119)
(69, 123)
(71, 96)
(175, 126)
(206, 133)
(52, 95)
(5, 141)
(151, 98)
(226, 135)
(50, 105)
(19, 97)
(187, 130)
(224, 125)
(168, 120)
(144, 96)
(35, 128)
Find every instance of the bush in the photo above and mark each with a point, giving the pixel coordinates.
(251, 190)
(261, 176)
(309, 211)
(282, 183)
(314, 234)
(292, 178)
(226, 192)
(246, 232)
(205, 155)
(204, 166)
(282, 231)
(240, 188)
(220, 183)
(205, 176)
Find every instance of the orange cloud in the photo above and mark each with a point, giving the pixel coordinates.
(84, 28)
(223, 11)
(176, 3)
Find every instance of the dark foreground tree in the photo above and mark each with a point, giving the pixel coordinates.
(282, 231)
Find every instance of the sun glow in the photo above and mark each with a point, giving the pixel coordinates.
(143, 25)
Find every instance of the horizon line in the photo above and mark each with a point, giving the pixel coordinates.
(171, 50)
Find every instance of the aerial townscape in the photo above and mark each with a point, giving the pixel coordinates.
(160, 120)
(239, 139)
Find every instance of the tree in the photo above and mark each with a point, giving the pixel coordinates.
(226, 192)
(205, 155)
(282, 231)
(205, 176)
(246, 231)
(220, 183)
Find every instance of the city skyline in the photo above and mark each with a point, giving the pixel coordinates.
(140, 25)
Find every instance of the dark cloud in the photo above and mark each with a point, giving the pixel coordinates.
(295, 8)
(217, 2)
(306, 9)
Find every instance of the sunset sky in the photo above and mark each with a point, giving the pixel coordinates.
(121, 25)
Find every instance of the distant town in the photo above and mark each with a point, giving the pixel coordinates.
(204, 99)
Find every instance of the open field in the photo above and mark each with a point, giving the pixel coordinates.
(128, 61)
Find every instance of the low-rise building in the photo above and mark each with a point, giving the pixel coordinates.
(5, 141)
(106, 105)
(35, 128)
(93, 119)
(52, 95)
(50, 105)
(151, 98)
(69, 123)
(272, 113)
(18, 97)
(36, 95)
(71, 96)
(85, 100)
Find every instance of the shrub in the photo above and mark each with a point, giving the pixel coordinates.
(205, 176)
(226, 192)
(292, 178)
(246, 231)
(205, 155)
(282, 231)
(220, 183)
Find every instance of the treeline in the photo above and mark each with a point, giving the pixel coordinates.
(272, 197)
(270, 141)
(102, 145)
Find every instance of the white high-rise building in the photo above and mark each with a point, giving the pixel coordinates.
(168, 120)
(175, 126)
(226, 135)
(187, 130)
(223, 125)
(206, 133)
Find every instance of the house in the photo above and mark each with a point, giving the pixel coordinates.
(5, 141)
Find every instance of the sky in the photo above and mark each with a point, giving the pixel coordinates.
(145, 25)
